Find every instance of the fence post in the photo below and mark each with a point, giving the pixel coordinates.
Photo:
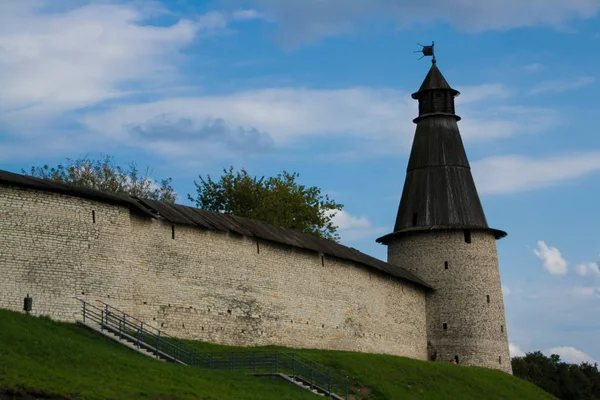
(84, 312)
(293, 365)
(346, 387)
(277, 362)
(121, 329)
(329, 382)
(157, 343)
(312, 369)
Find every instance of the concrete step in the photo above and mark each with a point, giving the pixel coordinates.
(111, 335)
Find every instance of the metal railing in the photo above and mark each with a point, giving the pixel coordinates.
(139, 334)
(162, 345)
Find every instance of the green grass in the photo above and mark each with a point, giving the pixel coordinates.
(38, 355)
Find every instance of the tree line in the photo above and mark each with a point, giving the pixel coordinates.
(563, 380)
(279, 200)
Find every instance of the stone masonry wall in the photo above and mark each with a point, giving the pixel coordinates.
(464, 275)
(201, 285)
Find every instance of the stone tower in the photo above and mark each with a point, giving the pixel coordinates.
(441, 234)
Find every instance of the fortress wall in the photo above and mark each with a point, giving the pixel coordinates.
(476, 329)
(202, 285)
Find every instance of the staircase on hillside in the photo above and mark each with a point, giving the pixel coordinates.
(152, 342)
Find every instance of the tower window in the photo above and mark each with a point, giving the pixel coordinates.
(499, 359)
(322, 260)
(467, 236)
(93, 217)
(501, 328)
(257, 248)
(456, 359)
(445, 326)
(488, 298)
(445, 264)
(415, 216)
(173, 232)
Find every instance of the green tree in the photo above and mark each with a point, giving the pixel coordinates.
(279, 200)
(105, 175)
(563, 380)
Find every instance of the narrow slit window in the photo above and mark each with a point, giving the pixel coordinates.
(456, 359)
(322, 260)
(415, 216)
(445, 326)
(93, 216)
(257, 248)
(445, 264)
(467, 236)
(501, 328)
(173, 232)
(488, 298)
(499, 359)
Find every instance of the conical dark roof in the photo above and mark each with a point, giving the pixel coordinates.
(434, 80)
(439, 191)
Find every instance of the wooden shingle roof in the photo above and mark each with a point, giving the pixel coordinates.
(180, 214)
(439, 191)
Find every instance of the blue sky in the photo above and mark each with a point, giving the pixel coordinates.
(322, 89)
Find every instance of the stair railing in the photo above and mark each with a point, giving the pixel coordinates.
(160, 337)
(153, 340)
(296, 366)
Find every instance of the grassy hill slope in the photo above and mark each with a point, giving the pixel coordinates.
(41, 356)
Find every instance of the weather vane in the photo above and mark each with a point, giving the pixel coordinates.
(427, 51)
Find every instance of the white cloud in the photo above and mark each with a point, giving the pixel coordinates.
(494, 122)
(553, 261)
(486, 91)
(588, 269)
(570, 355)
(585, 292)
(505, 290)
(533, 67)
(562, 85)
(218, 21)
(515, 351)
(344, 220)
(308, 20)
(53, 62)
(380, 118)
(246, 14)
(513, 173)
(351, 228)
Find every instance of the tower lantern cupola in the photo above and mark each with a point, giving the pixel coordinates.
(435, 96)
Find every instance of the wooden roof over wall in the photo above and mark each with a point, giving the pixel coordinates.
(180, 214)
